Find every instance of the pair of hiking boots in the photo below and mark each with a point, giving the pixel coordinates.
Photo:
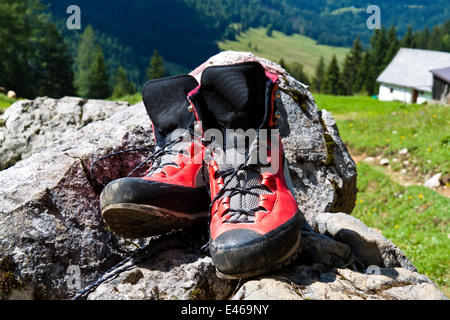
(218, 156)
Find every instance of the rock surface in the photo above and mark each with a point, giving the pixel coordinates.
(434, 181)
(49, 215)
(52, 233)
(28, 126)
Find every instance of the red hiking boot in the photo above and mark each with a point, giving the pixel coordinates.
(172, 194)
(254, 218)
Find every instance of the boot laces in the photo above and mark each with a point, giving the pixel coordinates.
(242, 185)
(165, 155)
(159, 158)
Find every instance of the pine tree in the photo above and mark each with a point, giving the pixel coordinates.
(122, 86)
(156, 69)
(86, 55)
(379, 47)
(296, 70)
(378, 51)
(230, 33)
(446, 37)
(435, 41)
(364, 68)
(446, 42)
(422, 40)
(269, 30)
(408, 39)
(55, 75)
(20, 23)
(350, 70)
(98, 78)
(319, 75)
(394, 45)
(332, 83)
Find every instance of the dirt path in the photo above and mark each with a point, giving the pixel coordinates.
(403, 178)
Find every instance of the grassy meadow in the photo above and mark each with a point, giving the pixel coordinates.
(5, 102)
(294, 48)
(415, 140)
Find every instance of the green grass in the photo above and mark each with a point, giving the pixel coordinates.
(132, 99)
(351, 9)
(372, 127)
(5, 102)
(413, 217)
(291, 48)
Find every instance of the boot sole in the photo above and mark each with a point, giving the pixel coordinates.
(134, 221)
(290, 256)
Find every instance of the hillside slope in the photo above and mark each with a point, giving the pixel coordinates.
(291, 48)
(186, 32)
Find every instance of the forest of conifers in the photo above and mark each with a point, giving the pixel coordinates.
(40, 56)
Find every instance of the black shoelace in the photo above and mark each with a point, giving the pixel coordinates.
(228, 175)
(152, 158)
(164, 150)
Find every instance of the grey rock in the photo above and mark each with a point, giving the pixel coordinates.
(423, 291)
(266, 289)
(325, 251)
(49, 215)
(29, 126)
(434, 181)
(367, 245)
(315, 283)
(51, 227)
(403, 151)
(171, 269)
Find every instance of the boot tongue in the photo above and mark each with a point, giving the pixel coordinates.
(235, 100)
(235, 94)
(167, 105)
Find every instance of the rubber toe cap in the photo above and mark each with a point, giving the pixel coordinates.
(154, 193)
